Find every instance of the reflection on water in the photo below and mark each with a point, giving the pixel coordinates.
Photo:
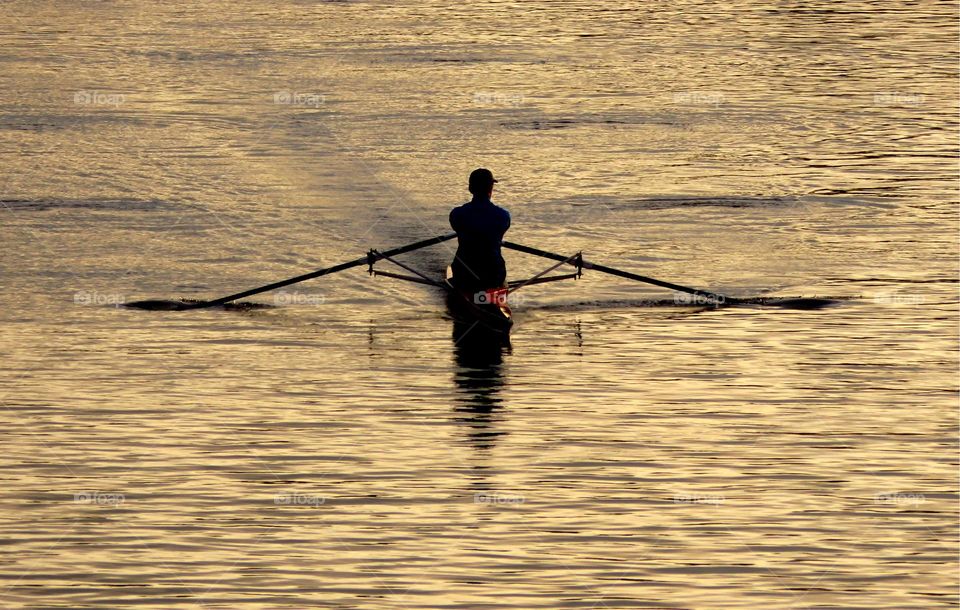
(478, 375)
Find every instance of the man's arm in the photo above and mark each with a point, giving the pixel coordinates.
(454, 222)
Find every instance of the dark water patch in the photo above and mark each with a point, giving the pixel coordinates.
(537, 124)
(454, 55)
(221, 57)
(112, 116)
(30, 125)
(889, 280)
(672, 202)
(41, 205)
(596, 120)
(894, 191)
(725, 202)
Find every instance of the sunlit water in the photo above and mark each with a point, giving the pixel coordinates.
(338, 450)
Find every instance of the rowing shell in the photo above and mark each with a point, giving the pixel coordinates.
(484, 310)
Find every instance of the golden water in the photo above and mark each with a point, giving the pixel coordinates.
(338, 450)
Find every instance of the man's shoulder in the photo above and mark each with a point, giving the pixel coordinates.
(471, 207)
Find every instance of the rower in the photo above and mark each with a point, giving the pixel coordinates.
(480, 226)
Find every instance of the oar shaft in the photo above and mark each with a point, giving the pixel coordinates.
(282, 283)
(327, 271)
(618, 272)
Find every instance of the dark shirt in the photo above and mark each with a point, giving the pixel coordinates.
(480, 226)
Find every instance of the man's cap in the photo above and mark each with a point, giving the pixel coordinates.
(481, 178)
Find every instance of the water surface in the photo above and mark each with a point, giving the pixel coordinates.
(338, 449)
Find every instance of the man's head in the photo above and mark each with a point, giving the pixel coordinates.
(481, 182)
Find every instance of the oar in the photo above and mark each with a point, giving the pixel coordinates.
(711, 297)
(300, 278)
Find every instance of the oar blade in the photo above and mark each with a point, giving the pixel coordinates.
(188, 304)
(803, 303)
(160, 305)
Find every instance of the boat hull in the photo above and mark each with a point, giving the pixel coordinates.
(489, 314)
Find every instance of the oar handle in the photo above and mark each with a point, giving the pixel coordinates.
(307, 276)
(706, 294)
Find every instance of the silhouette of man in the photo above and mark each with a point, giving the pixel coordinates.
(480, 226)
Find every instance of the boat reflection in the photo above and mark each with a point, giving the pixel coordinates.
(479, 378)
